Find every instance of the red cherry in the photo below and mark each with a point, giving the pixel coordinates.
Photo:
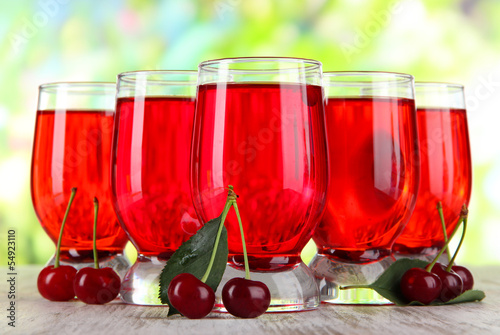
(190, 296)
(311, 96)
(97, 286)
(56, 284)
(466, 275)
(246, 298)
(419, 285)
(452, 283)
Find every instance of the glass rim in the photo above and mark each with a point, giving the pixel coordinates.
(77, 84)
(439, 84)
(208, 65)
(430, 94)
(49, 94)
(368, 73)
(151, 72)
(131, 77)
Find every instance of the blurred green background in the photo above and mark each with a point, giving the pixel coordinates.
(60, 40)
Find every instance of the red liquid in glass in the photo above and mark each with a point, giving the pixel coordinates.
(445, 176)
(268, 141)
(72, 148)
(373, 176)
(151, 172)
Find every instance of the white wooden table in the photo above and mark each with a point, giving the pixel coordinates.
(35, 315)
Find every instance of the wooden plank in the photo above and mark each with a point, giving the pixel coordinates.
(38, 316)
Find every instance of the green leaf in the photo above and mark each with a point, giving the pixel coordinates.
(193, 257)
(467, 296)
(388, 285)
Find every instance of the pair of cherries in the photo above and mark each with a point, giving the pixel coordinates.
(423, 286)
(90, 285)
(241, 297)
(436, 280)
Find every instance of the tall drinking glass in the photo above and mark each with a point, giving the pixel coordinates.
(374, 174)
(259, 126)
(151, 150)
(446, 171)
(72, 148)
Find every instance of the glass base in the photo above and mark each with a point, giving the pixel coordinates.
(330, 274)
(141, 285)
(118, 262)
(292, 290)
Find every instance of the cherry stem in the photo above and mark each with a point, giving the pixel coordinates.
(227, 207)
(443, 225)
(434, 261)
(463, 215)
(245, 255)
(58, 249)
(94, 244)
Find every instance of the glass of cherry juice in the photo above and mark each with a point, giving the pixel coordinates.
(151, 194)
(72, 148)
(373, 180)
(259, 126)
(446, 170)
